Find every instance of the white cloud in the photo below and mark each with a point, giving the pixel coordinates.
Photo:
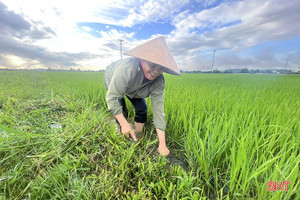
(153, 10)
(62, 17)
(57, 12)
(50, 29)
(87, 28)
(257, 22)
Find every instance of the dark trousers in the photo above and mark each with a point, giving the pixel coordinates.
(140, 108)
(139, 105)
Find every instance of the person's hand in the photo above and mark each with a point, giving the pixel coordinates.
(163, 150)
(127, 130)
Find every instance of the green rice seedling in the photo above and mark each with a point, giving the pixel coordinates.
(229, 135)
(245, 125)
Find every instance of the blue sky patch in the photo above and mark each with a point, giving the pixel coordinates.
(278, 47)
(142, 31)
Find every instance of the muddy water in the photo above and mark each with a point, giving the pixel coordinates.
(176, 160)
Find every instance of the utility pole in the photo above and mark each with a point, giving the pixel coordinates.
(121, 40)
(213, 60)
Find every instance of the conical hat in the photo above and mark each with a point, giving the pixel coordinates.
(156, 51)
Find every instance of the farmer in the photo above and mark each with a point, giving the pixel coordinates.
(137, 78)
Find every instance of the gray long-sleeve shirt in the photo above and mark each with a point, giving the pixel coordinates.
(127, 77)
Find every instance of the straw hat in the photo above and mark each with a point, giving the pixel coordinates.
(156, 51)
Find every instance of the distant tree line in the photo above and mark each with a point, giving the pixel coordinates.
(227, 71)
(49, 69)
(246, 71)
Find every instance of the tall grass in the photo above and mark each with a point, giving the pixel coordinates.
(229, 135)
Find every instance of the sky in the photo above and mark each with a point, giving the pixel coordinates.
(77, 34)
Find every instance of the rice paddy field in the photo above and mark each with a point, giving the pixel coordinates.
(229, 135)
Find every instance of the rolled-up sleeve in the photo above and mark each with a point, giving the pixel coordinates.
(157, 101)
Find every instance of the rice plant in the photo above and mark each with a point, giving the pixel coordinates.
(229, 135)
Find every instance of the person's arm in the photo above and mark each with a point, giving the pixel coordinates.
(116, 90)
(125, 126)
(157, 101)
(162, 147)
